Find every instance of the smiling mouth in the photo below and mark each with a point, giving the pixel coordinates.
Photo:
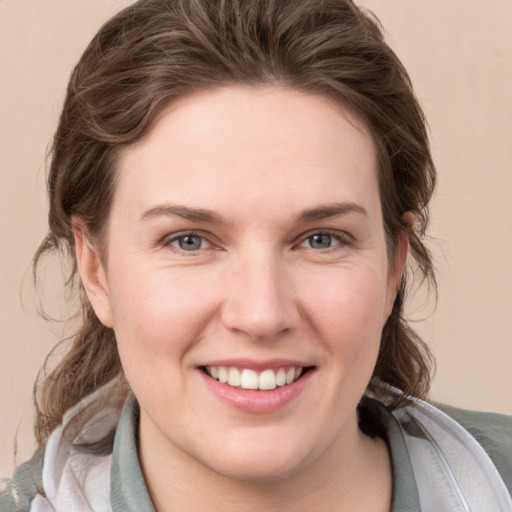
(247, 378)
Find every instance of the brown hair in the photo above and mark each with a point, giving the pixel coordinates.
(155, 51)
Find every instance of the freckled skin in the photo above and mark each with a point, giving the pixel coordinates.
(255, 284)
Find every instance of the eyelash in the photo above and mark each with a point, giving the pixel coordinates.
(168, 241)
(343, 240)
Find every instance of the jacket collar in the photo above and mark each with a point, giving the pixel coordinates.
(128, 491)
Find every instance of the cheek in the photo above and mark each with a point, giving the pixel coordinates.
(349, 311)
(356, 291)
(158, 313)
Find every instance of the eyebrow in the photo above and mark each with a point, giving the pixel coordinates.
(330, 210)
(210, 217)
(193, 214)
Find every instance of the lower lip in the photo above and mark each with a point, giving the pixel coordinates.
(255, 401)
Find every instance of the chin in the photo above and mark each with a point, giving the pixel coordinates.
(261, 462)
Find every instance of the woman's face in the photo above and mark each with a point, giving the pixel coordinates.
(246, 243)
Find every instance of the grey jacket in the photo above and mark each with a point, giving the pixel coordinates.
(98, 470)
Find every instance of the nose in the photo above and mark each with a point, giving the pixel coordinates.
(259, 299)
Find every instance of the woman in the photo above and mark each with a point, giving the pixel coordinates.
(239, 184)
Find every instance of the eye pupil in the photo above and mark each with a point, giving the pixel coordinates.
(320, 241)
(189, 243)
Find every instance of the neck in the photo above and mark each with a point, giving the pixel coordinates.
(354, 474)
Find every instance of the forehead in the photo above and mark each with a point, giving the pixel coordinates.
(260, 144)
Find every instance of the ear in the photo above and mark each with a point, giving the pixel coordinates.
(93, 274)
(397, 266)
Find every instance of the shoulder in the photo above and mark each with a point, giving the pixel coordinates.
(17, 494)
(72, 473)
(493, 432)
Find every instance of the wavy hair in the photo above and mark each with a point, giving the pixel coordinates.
(156, 51)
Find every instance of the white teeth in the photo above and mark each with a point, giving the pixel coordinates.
(223, 375)
(234, 377)
(281, 377)
(250, 379)
(267, 380)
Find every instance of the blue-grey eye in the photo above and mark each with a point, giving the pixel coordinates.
(320, 241)
(189, 242)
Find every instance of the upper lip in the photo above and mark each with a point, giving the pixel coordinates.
(258, 364)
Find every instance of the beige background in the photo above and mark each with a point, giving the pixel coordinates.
(459, 54)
